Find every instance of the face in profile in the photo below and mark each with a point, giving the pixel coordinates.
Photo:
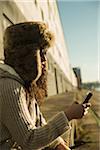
(39, 88)
(30, 67)
(39, 65)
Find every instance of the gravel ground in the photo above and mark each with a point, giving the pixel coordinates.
(90, 138)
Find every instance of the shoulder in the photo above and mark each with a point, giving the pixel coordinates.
(9, 85)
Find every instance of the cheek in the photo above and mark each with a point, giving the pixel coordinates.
(39, 65)
(32, 69)
(46, 66)
(39, 68)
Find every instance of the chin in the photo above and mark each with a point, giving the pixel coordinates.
(37, 77)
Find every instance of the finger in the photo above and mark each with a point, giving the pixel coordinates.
(85, 105)
(88, 104)
(87, 108)
(85, 113)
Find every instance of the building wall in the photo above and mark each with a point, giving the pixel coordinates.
(60, 75)
(77, 72)
(9, 14)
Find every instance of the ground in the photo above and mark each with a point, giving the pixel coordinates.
(87, 129)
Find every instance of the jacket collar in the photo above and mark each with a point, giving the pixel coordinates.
(9, 69)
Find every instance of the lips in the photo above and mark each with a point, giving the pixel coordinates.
(44, 68)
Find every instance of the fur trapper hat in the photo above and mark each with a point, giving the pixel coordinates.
(32, 34)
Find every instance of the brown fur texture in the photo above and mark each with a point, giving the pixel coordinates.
(35, 34)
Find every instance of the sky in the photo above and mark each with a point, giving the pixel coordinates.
(81, 26)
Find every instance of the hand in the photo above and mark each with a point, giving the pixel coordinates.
(62, 147)
(77, 111)
(86, 107)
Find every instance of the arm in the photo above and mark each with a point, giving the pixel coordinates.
(19, 122)
(57, 143)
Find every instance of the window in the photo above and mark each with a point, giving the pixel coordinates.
(36, 2)
(42, 14)
(49, 9)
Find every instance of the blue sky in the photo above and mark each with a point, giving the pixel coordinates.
(81, 25)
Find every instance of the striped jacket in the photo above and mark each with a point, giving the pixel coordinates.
(30, 131)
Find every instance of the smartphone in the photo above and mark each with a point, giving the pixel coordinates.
(87, 97)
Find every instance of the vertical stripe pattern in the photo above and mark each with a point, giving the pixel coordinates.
(16, 118)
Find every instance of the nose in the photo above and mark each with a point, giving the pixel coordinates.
(44, 63)
(43, 58)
